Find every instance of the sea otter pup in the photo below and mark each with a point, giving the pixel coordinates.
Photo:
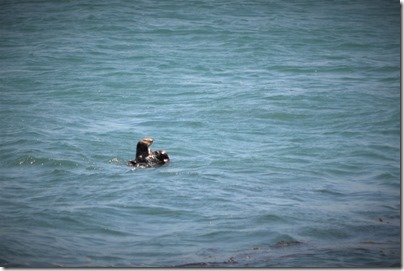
(145, 157)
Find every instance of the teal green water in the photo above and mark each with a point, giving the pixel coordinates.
(281, 119)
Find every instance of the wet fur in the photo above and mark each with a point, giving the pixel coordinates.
(146, 157)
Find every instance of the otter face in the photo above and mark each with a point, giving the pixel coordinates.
(147, 140)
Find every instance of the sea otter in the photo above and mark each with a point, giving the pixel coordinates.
(145, 157)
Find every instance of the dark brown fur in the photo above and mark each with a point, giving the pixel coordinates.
(146, 157)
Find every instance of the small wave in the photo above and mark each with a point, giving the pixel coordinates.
(41, 161)
(329, 192)
(269, 218)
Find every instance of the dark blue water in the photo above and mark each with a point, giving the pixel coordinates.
(281, 119)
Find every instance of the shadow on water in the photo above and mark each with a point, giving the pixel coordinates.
(302, 254)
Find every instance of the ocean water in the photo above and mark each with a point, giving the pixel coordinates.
(281, 119)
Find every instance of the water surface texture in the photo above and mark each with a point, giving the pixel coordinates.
(281, 119)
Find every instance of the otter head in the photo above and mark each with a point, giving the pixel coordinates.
(147, 140)
(142, 148)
